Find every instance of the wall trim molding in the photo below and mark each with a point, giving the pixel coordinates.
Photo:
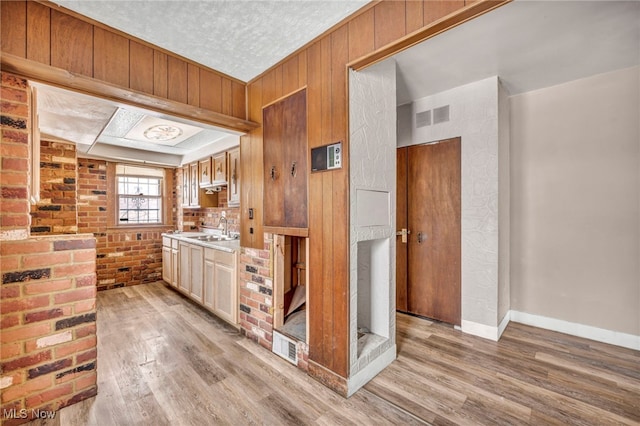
(481, 330)
(625, 340)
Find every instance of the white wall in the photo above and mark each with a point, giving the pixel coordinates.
(575, 196)
(372, 182)
(474, 115)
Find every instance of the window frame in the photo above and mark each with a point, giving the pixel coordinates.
(113, 197)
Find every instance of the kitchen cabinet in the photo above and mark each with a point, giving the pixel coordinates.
(207, 275)
(205, 171)
(285, 163)
(191, 270)
(220, 167)
(221, 284)
(192, 195)
(170, 261)
(193, 182)
(233, 169)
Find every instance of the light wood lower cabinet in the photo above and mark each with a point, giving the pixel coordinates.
(221, 284)
(207, 275)
(191, 270)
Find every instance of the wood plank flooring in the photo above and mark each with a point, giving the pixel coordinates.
(162, 360)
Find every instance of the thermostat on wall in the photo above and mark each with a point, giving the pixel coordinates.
(326, 157)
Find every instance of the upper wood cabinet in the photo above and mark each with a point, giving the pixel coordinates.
(219, 162)
(194, 195)
(205, 171)
(285, 162)
(233, 168)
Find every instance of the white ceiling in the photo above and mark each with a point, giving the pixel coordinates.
(528, 44)
(241, 38)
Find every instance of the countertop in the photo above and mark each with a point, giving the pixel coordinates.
(230, 246)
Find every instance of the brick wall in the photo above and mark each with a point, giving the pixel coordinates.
(48, 321)
(55, 213)
(14, 162)
(256, 291)
(210, 217)
(47, 307)
(125, 257)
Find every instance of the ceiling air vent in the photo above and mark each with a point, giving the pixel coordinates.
(441, 115)
(284, 347)
(423, 119)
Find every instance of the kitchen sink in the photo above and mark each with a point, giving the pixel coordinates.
(209, 238)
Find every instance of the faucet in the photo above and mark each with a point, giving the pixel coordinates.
(223, 220)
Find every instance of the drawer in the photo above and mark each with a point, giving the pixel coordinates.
(225, 258)
(166, 241)
(174, 243)
(209, 254)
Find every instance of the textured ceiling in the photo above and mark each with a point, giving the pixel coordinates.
(241, 38)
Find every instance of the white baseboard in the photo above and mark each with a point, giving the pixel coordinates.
(363, 376)
(480, 330)
(588, 332)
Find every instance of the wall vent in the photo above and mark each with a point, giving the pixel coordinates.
(441, 114)
(423, 119)
(284, 347)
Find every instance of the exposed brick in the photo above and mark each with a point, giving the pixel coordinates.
(26, 361)
(27, 388)
(10, 350)
(86, 281)
(49, 368)
(49, 395)
(84, 306)
(7, 306)
(43, 315)
(46, 259)
(87, 356)
(85, 367)
(74, 244)
(245, 308)
(62, 271)
(9, 321)
(8, 248)
(86, 380)
(75, 295)
(71, 322)
(15, 136)
(9, 291)
(47, 286)
(81, 396)
(20, 276)
(87, 330)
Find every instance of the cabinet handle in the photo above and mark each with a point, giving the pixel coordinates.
(273, 172)
(293, 169)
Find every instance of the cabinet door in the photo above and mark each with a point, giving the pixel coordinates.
(193, 168)
(233, 167)
(197, 272)
(186, 188)
(205, 171)
(184, 283)
(174, 267)
(225, 289)
(209, 279)
(294, 124)
(220, 167)
(166, 265)
(273, 154)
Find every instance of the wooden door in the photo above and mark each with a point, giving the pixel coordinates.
(220, 167)
(205, 171)
(433, 176)
(273, 160)
(402, 248)
(295, 160)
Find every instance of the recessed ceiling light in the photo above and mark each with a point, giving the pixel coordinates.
(162, 132)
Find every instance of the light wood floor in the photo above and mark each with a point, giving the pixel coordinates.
(163, 360)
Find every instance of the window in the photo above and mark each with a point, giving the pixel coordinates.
(139, 192)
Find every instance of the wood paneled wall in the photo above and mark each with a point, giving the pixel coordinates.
(44, 33)
(322, 68)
